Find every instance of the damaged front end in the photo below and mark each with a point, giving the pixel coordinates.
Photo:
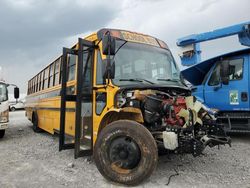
(178, 122)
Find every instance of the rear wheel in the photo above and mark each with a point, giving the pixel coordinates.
(2, 132)
(12, 109)
(125, 152)
(35, 123)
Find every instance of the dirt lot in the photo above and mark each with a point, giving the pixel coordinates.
(29, 159)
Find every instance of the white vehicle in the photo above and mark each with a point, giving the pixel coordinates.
(4, 106)
(16, 105)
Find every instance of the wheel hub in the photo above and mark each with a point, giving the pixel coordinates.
(124, 152)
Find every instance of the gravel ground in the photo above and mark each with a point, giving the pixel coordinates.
(29, 159)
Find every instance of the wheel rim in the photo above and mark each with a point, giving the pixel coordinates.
(124, 153)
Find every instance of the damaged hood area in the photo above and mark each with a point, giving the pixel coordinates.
(196, 74)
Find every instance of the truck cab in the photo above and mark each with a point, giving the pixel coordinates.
(4, 108)
(222, 83)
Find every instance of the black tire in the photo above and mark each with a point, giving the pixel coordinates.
(35, 127)
(143, 146)
(12, 109)
(2, 133)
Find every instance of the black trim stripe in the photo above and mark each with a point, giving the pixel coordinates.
(55, 93)
(55, 109)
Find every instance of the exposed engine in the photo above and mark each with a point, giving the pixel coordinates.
(178, 123)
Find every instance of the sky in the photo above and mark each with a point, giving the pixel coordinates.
(33, 32)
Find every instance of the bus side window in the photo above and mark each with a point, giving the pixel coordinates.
(56, 73)
(51, 72)
(32, 86)
(45, 80)
(41, 81)
(60, 74)
(36, 78)
(71, 67)
(37, 82)
(28, 92)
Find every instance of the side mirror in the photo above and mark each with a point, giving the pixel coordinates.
(108, 69)
(16, 92)
(224, 72)
(108, 44)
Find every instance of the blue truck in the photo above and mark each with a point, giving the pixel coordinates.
(222, 82)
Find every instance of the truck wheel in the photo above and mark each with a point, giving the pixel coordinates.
(12, 109)
(35, 123)
(125, 152)
(2, 132)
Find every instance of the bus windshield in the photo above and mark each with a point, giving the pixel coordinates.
(3, 92)
(135, 63)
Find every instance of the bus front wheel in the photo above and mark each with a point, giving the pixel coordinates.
(2, 132)
(125, 152)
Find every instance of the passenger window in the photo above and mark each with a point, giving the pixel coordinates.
(71, 67)
(32, 87)
(41, 81)
(45, 82)
(51, 71)
(28, 87)
(56, 75)
(236, 69)
(61, 66)
(36, 81)
(30, 90)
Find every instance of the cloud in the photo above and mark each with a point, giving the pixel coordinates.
(36, 23)
(32, 32)
(170, 20)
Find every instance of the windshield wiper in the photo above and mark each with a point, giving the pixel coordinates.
(136, 80)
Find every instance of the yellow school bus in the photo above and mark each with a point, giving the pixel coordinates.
(119, 95)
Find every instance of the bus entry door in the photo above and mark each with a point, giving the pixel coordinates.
(83, 138)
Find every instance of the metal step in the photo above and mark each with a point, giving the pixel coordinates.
(87, 137)
(85, 147)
